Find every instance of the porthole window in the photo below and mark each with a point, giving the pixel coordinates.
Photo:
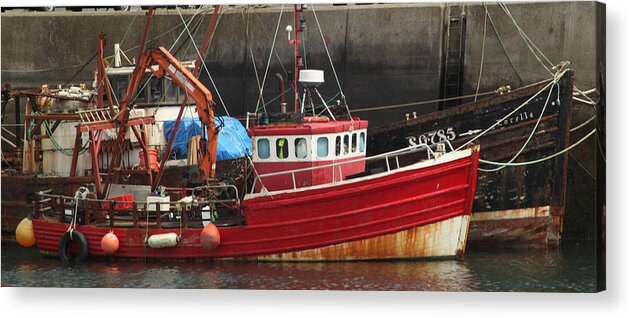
(282, 148)
(345, 144)
(338, 145)
(354, 143)
(263, 148)
(362, 142)
(300, 148)
(323, 147)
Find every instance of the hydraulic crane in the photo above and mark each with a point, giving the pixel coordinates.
(182, 77)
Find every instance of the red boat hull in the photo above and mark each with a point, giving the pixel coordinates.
(388, 215)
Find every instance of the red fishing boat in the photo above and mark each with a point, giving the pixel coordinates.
(304, 194)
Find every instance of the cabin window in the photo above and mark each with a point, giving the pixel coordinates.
(121, 87)
(282, 148)
(362, 142)
(263, 148)
(155, 90)
(170, 91)
(146, 85)
(323, 147)
(338, 145)
(346, 144)
(354, 143)
(300, 148)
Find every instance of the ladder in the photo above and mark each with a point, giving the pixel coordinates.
(95, 115)
(453, 78)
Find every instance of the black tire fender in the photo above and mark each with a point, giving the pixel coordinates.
(80, 239)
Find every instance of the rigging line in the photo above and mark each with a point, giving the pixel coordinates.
(584, 94)
(527, 40)
(477, 89)
(525, 163)
(510, 60)
(583, 101)
(582, 167)
(510, 15)
(203, 63)
(304, 47)
(81, 69)
(188, 47)
(326, 49)
(269, 59)
(78, 65)
(514, 111)
(128, 29)
(432, 101)
(532, 133)
(583, 124)
(163, 98)
(328, 54)
(170, 48)
(140, 91)
(249, 45)
(280, 61)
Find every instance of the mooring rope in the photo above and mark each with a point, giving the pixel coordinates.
(515, 164)
(515, 110)
(532, 133)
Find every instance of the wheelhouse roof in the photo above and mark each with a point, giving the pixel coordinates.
(308, 128)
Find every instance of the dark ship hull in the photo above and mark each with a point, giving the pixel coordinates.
(516, 205)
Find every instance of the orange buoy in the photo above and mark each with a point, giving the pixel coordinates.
(109, 243)
(315, 119)
(209, 237)
(24, 233)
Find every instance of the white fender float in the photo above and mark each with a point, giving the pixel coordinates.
(163, 240)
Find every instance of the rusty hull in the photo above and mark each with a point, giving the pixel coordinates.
(435, 240)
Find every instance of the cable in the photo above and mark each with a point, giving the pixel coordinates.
(203, 63)
(269, 59)
(510, 61)
(515, 164)
(515, 110)
(477, 89)
(532, 133)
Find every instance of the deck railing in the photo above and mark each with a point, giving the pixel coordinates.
(138, 214)
(386, 156)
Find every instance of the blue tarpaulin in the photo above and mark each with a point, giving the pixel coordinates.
(233, 141)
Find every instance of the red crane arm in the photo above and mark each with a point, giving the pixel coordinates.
(183, 78)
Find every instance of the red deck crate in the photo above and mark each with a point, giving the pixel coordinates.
(127, 198)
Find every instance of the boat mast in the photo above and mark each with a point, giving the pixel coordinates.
(299, 25)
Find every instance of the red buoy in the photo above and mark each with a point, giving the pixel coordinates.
(209, 237)
(109, 243)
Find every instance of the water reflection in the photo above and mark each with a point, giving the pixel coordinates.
(569, 269)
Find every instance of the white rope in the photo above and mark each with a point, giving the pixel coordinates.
(514, 111)
(532, 133)
(269, 59)
(514, 164)
(425, 102)
(203, 63)
(583, 124)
